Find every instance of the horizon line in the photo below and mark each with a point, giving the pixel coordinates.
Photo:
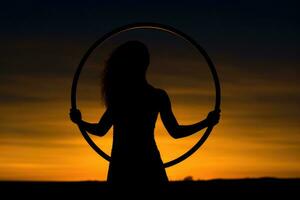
(179, 180)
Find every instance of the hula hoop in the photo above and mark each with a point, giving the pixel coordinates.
(174, 32)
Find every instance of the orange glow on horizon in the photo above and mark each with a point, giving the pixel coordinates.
(225, 154)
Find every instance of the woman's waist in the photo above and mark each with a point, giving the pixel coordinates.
(135, 149)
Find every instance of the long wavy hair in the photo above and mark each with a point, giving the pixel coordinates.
(124, 71)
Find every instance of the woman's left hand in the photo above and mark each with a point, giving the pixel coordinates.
(213, 117)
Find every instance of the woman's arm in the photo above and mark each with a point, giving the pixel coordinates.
(98, 129)
(179, 131)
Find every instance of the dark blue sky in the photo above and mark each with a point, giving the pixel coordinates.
(267, 28)
(260, 37)
(56, 17)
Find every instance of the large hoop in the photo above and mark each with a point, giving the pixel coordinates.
(172, 31)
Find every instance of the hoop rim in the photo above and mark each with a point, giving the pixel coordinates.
(161, 27)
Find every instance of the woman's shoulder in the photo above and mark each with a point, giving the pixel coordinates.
(162, 94)
(160, 97)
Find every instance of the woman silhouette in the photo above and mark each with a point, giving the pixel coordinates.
(132, 108)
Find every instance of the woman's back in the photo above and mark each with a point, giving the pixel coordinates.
(134, 153)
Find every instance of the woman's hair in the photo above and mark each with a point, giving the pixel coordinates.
(125, 69)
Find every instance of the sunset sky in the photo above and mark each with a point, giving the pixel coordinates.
(255, 46)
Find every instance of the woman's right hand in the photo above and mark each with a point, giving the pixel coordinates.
(75, 116)
(213, 117)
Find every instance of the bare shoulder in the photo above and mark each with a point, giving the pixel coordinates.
(161, 93)
(162, 97)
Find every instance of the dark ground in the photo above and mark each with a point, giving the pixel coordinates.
(235, 188)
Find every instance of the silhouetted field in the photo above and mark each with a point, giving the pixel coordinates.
(233, 188)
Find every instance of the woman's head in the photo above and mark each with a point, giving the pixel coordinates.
(125, 68)
(131, 56)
